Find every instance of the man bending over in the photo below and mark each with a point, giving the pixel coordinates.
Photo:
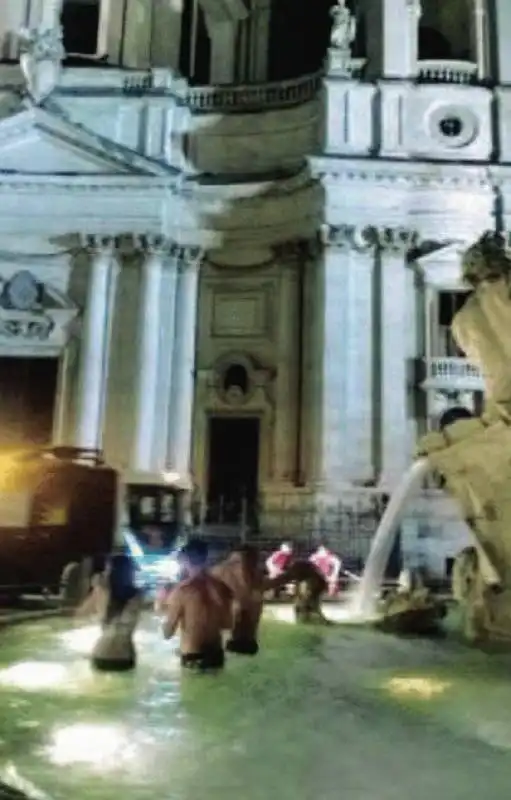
(200, 607)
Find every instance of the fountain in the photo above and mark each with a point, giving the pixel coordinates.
(472, 456)
(365, 600)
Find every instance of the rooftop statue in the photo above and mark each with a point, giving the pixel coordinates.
(473, 456)
(42, 52)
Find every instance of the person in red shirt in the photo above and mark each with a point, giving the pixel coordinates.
(279, 560)
(329, 565)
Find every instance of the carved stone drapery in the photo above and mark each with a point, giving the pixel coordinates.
(42, 52)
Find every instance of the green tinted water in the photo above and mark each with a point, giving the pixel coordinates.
(318, 715)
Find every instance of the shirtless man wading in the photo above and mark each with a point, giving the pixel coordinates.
(241, 574)
(201, 608)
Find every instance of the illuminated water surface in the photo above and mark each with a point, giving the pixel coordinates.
(318, 715)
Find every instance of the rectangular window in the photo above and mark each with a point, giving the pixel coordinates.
(80, 24)
(449, 303)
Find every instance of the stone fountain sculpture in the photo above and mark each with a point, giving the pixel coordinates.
(473, 456)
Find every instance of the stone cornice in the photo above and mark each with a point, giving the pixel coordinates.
(409, 174)
(192, 188)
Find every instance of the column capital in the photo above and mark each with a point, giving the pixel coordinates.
(414, 7)
(99, 244)
(347, 237)
(152, 244)
(393, 241)
(186, 257)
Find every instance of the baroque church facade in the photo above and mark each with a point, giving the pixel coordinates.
(230, 231)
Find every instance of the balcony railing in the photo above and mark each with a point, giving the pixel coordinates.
(253, 97)
(206, 99)
(456, 374)
(436, 71)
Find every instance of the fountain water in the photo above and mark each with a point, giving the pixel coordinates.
(363, 605)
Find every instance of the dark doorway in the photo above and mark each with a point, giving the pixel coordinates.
(80, 26)
(233, 469)
(27, 397)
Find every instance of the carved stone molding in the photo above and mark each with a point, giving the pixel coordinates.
(152, 244)
(398, 240)
(26, 326)
(186, 257)
(99, 244)
(347, 237)
(415, 175)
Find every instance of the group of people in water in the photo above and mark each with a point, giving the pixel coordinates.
(214, 609)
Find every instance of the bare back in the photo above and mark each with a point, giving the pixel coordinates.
(247, 588)
(201, 608)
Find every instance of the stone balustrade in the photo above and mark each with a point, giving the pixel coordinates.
(203, 99)
(456, 374)
(446, 71)
(263, 96)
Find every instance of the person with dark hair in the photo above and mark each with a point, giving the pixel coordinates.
(119, 602)
(310, 585)
(200, 607)
(241, 574)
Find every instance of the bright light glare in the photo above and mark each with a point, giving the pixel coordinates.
(171, 477)
(135, 549)
(33, 675)
(424, 688)
(101, 746)
(82, 640)
(168, 568)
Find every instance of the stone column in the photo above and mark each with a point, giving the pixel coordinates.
(49, 14)
(394, 246)
(12, 18)
(166, 39)
(287, 391)
(480, 38)
(137, 32)
(502, 27)
(347, 379)
(149, 351)
(259, 29)
(223, 51)
(95, 344)
(63, 393)
(183, 363)
(400, 23)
